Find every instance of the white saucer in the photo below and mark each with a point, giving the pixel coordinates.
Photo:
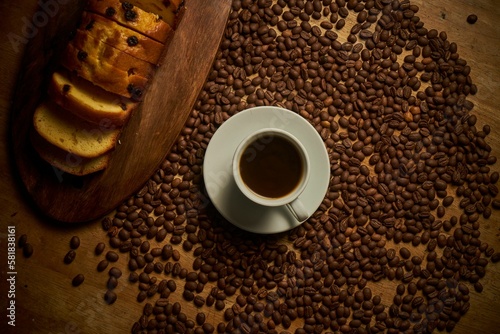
(222, 189)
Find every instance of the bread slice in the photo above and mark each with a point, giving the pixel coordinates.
(65, 161)
(72, 134)
(121, 38)
(148, 24)
(88, 101)
(169, 10)
(111, 55)
(106, 67)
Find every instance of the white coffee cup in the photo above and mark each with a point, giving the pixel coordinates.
(253, 155)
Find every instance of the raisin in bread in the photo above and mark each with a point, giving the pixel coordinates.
(106, 67)
(148, 24)
(67, 162)
(88, 101)
(73, 134)
(121, 38)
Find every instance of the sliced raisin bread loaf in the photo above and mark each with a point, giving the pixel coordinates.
(106, 67)
(146, 23)
(121, 38)
(88, 101)
(71, 133)
(65, 161)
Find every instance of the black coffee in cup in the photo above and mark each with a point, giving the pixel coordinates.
(271, 166)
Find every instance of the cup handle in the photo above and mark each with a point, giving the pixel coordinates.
(298, 210)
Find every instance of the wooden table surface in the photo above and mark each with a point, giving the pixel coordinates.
(44, 298)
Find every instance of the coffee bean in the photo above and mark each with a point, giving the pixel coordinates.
(23, 239)
(112, 256)
(102, 265)
(133, 277)
(171, 285)
(99, 248)
(472, 18)
(210, 300)
(77, 280)
(200, 318)
(27, 250)
(151, 291)
(167, 252)
(69, 257)
(115, 242)
(447, 201)
(74, 243)
(110, 297)
(161, 235)
(405, 253)
(141, 296)
(494, 177)
(106, 223)
(112, 283)
(208, 328)
(199, 301)
(219, 305)
(144, 278)
(115, 272)
(145, 246)
(495, 257)
(149, 268)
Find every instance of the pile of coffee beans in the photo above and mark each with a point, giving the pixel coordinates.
(410, 183)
